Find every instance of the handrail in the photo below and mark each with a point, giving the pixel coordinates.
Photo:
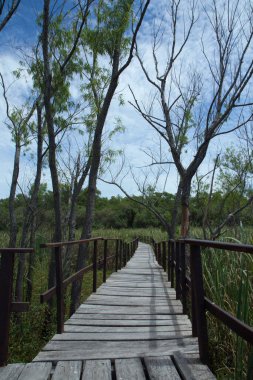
(243, 248)
(123, 252)
(71, 242)
(175, 257)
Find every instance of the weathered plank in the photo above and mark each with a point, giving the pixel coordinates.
(54, 345)
(122, 336)
(161, 368)
(129, 369)
(130, 292)
(36, 371)
(56, 350)
(98, 299)
(190, 367)
(134, 284)
(68, 370)
(114, 309)
(97, 370)
(11, 371)
(127, 322)
(108, 316)
(126, 329)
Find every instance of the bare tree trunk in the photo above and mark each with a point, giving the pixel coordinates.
(14, 182)
(50, 121)
(91, 196)
(185, 200)
(48, 94)
(30, 209)
(31, 262)
(174, 218)
(72, 217)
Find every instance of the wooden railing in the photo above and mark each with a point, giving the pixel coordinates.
(122, 253)
(171, 253)
(6, 302)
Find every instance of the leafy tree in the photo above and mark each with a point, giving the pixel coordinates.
(111, 30)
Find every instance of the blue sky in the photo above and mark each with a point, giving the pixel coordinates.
(22, 31)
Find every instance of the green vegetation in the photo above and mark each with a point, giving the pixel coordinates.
(120, 212)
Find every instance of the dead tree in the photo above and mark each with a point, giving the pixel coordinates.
(198, 104)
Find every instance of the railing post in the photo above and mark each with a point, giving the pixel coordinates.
(116, 255)
(177, 271)
(59, 290)
(6, 280)
(169, 260)
(105, 260)
(95, 266)
(193, 314)
(159, 253)
(120, 253)
(125, 254)
(198, 292)
(173, 243)
(164, 255)
(182, 276)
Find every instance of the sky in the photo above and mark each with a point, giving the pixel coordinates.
(20, 35)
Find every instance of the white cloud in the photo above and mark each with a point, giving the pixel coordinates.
(138, 134)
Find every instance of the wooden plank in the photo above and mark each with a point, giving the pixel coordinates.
(130, 317)
(144, 292)
(190, 367)
(97, 370)
(183, 367)
(36, 371)
(150, 296)
(56, 350)
(104, 309)
(161, 368)
(123, 336)
(11, 371)
(67, 370)
(126, 329)
(134, 284)
(120, 301)
(54, 345)
(129, 369)
(126, 322)
(130, 301)
(138, 279)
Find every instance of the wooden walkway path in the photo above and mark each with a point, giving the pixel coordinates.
(132, 328)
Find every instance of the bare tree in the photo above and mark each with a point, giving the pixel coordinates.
(7, 10)
(146, 180)
(229, 194)
(192, 106)
(18, 123)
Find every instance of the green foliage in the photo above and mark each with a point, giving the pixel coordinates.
(228, 283)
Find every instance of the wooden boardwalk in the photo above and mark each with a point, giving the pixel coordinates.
(132, 328)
